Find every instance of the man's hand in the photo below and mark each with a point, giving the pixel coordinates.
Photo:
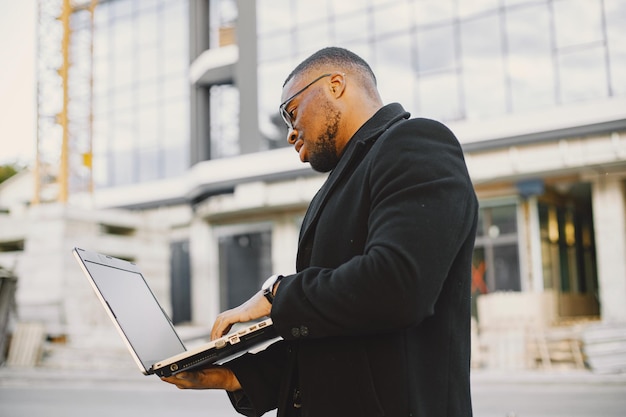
(217, 377)
(254, 308)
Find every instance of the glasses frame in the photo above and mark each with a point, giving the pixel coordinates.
(283, 107)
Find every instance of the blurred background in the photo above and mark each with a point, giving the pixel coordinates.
(149, 130)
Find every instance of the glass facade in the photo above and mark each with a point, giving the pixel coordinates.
(450, 60)
(140, 91)
(454, 59)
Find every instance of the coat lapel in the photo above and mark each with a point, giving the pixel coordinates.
(357, 148)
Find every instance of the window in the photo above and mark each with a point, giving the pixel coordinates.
(245, 261)
(567, 244)
(496, 255)
(180, 278)
(140, 63)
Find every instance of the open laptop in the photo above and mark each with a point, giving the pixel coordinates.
(148, 332)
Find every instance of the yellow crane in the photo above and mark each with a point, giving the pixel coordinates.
(64, 99)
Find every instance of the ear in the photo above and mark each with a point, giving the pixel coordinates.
(338, 84)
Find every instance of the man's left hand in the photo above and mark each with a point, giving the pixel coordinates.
(215, 377)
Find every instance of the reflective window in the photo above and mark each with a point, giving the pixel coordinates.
(482, 66)
(439, 96)
(428, 11)
(245, 261)
(577, 22)
(224, 121)
(392, 18)
(436, 49)
(394, 76)
(140, 91)
(459, 59)
(496, 256)
(582, 75)
(468, 8)
(530, 65)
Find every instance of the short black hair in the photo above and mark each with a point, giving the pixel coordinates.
(340, 57)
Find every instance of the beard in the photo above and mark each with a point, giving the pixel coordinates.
(323, 157)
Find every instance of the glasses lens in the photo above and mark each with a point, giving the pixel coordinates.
(286, 116)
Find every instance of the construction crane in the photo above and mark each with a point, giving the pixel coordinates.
(64, 99)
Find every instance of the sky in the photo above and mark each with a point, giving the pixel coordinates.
(18, 114)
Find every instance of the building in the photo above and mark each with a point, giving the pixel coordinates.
(192, 176)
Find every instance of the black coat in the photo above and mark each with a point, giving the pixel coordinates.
(376, 321)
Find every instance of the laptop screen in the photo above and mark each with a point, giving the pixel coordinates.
(139, 315)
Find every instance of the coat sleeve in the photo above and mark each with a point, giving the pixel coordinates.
(421, 208)
(260, 376)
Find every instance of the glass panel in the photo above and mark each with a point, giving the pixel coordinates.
(225, 121)
(122, 100)
(436, 49)
(530, 65)
(120, 8)
(345, 7)
(428, 11)
(307, 11)
(351, 28)
(439, 96)
(99, 170)
(269, 52)
(393, 70)
(176, 160)
(394, 17)
(244, 259)
(505, 219)
(122, 168)
(174, 87)
(473, 7)
(577, 22)
(149, 65)
(506, 268)
(582, 75)
(148, 126)
(149, 164)
(482, 65)
(312, 38)
(148, 26)
(147, 94)
(274, 16)
(122, 131)
(271, 124)
(175, 123)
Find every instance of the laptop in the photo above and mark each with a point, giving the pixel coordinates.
(146, 329)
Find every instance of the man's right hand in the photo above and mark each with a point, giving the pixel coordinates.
(215, 377)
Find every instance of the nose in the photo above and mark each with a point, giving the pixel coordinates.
(292, 136)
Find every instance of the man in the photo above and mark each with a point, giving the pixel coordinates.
(376, 321)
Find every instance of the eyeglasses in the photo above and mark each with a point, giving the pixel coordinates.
(283, 107)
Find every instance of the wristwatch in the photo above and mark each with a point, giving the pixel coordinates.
(268, 287)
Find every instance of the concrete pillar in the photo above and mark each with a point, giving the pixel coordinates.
(609, 217)
(246, 78)
(200, 99)
(285, 244)
(205, 286)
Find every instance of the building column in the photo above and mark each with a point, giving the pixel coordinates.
(246, 78)
(609, 217)
(205, 290)
(200, 98)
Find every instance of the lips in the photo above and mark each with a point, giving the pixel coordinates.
(299, 147)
